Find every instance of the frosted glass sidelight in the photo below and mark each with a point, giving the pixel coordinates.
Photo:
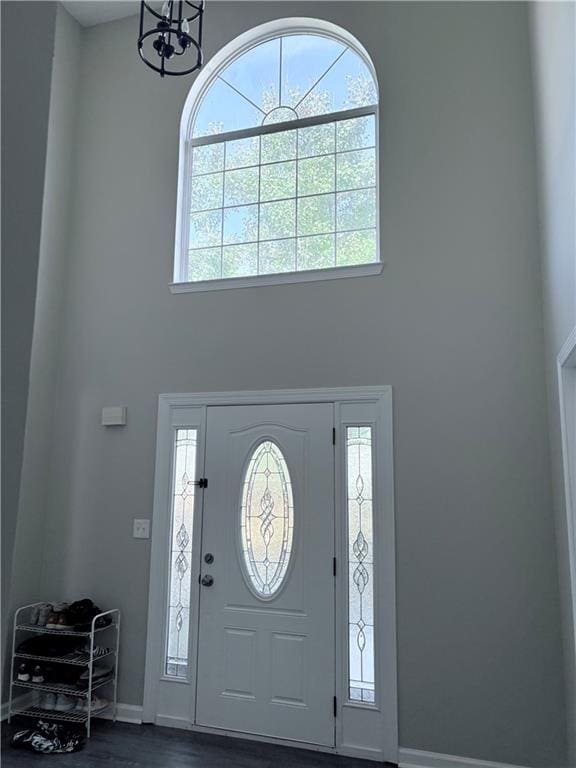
(360, 564)
(182, 515)
(267, 519)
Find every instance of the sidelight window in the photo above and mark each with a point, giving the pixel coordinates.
(182, 512)
(360, 564)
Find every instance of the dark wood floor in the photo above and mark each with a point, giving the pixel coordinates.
(134, 746)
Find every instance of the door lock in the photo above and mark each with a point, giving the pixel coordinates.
(208, 557)
(207, 580)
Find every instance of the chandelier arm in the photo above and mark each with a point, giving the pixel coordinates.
(170, 36)
(167, 71)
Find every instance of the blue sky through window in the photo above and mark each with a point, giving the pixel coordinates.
(255, 74)
(305, 58)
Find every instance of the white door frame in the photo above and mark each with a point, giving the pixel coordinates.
(566, 363)
(364, 730)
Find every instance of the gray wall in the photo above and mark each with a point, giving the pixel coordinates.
(454, 323)
(44, 359)
(554, 37)
(26, 76)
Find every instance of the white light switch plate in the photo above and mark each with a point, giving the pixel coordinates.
(141, 529)
(114, 416)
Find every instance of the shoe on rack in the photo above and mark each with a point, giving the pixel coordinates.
(37, 674)
(97, 673)
(34, 613)
(63, 622)
(50, 673)
(64, 703)
(37, 699)
(97, 651)
(96, 705)
(48, 701)
(23, 673)
(43, 614)
(52, 620)
(82, 612)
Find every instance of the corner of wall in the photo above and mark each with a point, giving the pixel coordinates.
(24, 152)
(553, 32)
(27, 583)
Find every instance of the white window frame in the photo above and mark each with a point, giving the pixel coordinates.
(362, 729)
(231, 51)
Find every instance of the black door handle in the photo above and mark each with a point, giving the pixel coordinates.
(207, 580)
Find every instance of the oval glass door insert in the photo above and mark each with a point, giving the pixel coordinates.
(267, 519)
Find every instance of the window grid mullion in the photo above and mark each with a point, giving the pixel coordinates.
(291, 237)
(290, 160)
(259, 203)
(280, 75)
(335, 191)
(285, 199)
(296, 227)
(222, 217)
(283, 127)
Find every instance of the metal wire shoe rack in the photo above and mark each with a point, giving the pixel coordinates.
(77, 658)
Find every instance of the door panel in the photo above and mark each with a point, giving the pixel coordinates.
(266, 641)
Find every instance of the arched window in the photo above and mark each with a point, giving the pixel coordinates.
(278, 161)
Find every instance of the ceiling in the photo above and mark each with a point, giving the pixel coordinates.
(91, 12)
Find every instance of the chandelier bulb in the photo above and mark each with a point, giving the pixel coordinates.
(166, 9)
(185, 26)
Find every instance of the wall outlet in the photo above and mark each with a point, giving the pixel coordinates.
(141, 529)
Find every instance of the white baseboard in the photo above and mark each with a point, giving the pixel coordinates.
(415, 758)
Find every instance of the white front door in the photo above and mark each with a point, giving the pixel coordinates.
(266, 651)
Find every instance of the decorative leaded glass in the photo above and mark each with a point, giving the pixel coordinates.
(360, 564)
(181, 553)
(267, 519)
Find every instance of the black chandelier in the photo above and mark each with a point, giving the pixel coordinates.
(170, 37)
